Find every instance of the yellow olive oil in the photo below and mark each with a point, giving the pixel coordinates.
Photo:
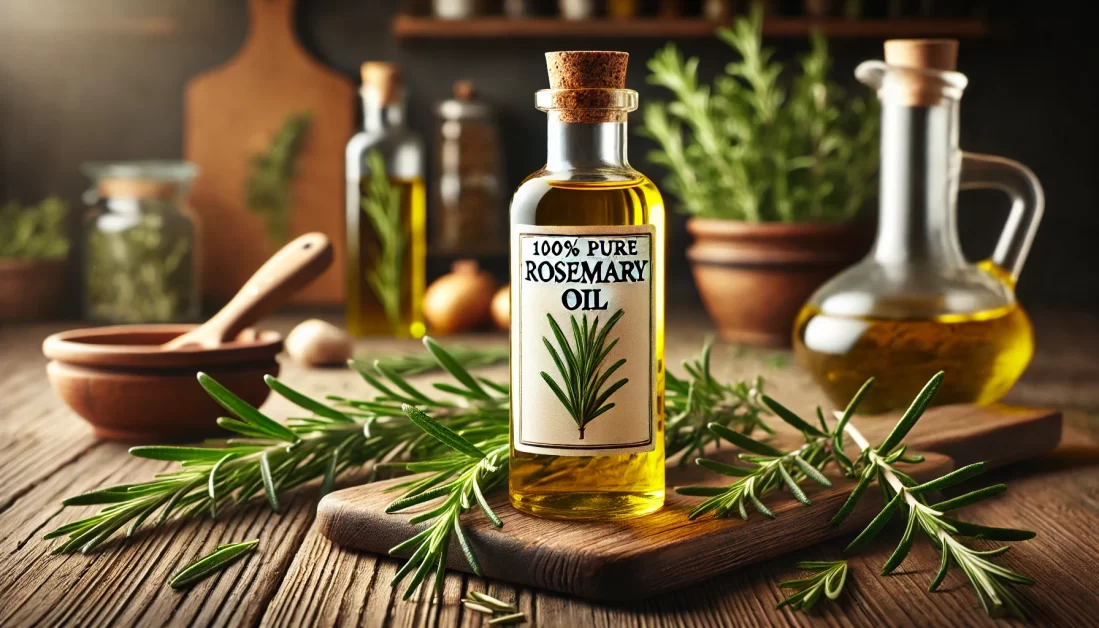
(983, 354)
(595, 486)
(368, 313)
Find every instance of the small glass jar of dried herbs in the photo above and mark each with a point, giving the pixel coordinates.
(140, 262)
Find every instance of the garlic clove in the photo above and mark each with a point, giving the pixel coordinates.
(318, 343)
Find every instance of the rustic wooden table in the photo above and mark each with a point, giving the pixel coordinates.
(299, 578)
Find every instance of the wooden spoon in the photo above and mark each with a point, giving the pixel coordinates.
(291, 268)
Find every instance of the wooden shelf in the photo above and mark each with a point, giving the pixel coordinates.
(416, 27)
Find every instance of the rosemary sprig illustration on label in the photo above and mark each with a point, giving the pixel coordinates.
(581, 390)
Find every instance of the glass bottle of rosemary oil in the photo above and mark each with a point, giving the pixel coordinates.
(587, 308)
(386, 213)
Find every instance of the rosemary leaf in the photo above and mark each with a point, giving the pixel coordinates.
(219, 559)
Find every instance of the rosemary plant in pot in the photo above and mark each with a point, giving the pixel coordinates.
(33, 260)
(771, 172)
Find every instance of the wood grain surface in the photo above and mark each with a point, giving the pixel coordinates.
(639, 558)
(299, 578)
(230, 114)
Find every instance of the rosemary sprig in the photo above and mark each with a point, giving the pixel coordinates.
(205, 566)
(267, 458)
(581, 390)
(901, 493)
(693, 403)
(267, 189)
(828, 580)
(461, 478)
(768, 467)
(382, 206)
(420, 363)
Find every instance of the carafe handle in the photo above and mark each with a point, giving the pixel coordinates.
(1027, 204)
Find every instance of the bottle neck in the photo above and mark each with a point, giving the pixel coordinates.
(920, 162)
(581, 146)
(379, 115)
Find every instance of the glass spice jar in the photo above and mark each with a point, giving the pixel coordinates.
(468, 214)
(139, 237)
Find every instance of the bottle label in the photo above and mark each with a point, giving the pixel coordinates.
(582, 354)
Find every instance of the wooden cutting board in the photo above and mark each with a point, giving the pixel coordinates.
(639, 558)
(230, 114)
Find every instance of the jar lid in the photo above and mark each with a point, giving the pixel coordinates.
(140, 179)
(463, 105)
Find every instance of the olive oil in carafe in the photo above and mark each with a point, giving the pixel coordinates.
(367, 312)
(605, 487)
(983, 354)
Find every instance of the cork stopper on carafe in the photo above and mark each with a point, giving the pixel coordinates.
(588, 86)
(382, 79)
(916, 62)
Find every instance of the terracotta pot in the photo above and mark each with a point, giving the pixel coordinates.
(754, 278)
(31, 290)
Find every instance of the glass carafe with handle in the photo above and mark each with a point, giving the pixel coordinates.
(915, 305)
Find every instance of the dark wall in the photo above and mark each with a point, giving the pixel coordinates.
(104, 80)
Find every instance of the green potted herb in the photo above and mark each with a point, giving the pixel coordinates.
(33, 250)
(772, 174)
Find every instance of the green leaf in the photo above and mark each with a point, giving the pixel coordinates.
(442, 433)
(791, 418)
(305, 402)
(875, 525)
(950, 479)
(744, 442)
(722, 468)
(454, 368)
(330, 472)
(700, 491)
(988, 532)
(184, 454)
(970, 498)
(913, 414)
(268, 482)
(205, 566)
(903, 548)
(246, 412)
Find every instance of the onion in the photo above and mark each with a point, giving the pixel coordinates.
(501, 308)
(459, 301)
(317, 343)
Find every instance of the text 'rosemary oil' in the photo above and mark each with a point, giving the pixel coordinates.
(587, 308)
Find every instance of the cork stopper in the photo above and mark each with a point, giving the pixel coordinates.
(916, 66)
(383, 79)
(463, 90)
(587, 69)
(927, 54)
(588, 86)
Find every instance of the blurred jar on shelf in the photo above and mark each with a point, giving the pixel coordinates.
(457, 9)
(386, 211)
(468, 219)
(140, 243)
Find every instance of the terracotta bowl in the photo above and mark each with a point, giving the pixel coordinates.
(119, 380)
(31, 290)
(754, 278)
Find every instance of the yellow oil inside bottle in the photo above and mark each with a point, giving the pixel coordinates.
(983, 354)
(367, 312)
(599, 487)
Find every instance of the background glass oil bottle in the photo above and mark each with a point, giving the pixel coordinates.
(587, 308)
(386, 249)
(915, 306)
